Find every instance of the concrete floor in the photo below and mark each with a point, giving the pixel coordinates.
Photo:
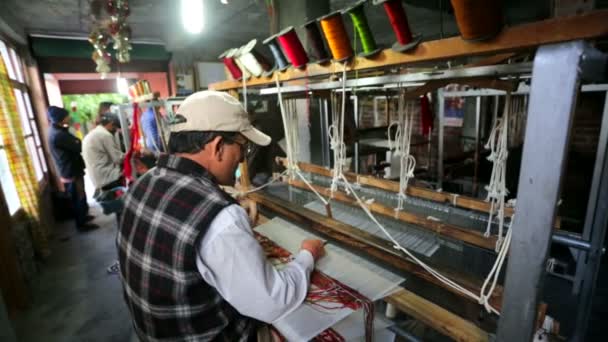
(73, 297)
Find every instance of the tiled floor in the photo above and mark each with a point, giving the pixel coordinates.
(73, 297)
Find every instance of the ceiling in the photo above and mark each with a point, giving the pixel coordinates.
(232, 24)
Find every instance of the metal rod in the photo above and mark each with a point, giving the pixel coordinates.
(477, 124)
(388, 81)
(356, 115)
(566, 239)
(323, 102)
(495, 112)
(440, 115)
(522, 90)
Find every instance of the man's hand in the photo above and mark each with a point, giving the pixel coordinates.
(315, 247)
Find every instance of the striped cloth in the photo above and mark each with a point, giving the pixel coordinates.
(20, 163)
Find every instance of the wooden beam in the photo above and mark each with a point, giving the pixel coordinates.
(471, 237)
(373, 246)
(436, 317)
(492, 60)
(521, 37)
(392, 186)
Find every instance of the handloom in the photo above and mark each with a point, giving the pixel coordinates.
(402, 240)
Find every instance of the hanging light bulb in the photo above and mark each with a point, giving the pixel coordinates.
(192, 16)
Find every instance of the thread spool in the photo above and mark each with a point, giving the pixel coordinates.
(478, 20)
(293, 47)
(252, 60)
(336, 36)
(316, 41)
(368, 43)
(268, 68)
(279, 59)
(230, 64)
(234, 53)
(398, 19)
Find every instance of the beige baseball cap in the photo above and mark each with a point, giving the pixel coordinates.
(216, 111)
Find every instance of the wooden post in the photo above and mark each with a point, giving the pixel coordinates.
(428, 194)
(12, 284)
(436, 317)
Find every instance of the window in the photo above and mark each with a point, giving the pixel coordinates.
(8, 183)
(15, 69)
(16, 74)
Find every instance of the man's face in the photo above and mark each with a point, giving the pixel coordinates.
(66, 121)
(232, 152)
(112, 128)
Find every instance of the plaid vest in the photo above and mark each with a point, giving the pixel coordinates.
(167, 212)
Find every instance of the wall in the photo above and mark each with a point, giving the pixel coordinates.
(7, 333)
(584, 136)
(53, 91)
(587, 122)
(12, 286)
(158, 82)
(92, 84)
(87, 86)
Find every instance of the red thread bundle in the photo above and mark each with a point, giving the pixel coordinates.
(398, 19)
(293, 47)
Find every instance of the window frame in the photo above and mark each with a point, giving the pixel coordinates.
(16, 66)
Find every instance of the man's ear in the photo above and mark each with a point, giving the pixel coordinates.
(216, 146)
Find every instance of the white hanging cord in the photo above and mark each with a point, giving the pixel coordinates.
(336, 137)
(290, 126)
(290, 132)
(498, 144)
(401, 145)
(248, 191)
(483, 297)
(337, 144)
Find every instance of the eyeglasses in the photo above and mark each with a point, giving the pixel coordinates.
(245, 146)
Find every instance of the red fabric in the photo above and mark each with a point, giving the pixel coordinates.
(128, 170)
(324, 289)
(426, 116)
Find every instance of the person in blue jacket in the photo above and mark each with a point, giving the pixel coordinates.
(66, 151)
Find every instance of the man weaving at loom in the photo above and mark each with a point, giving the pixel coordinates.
(190, 264)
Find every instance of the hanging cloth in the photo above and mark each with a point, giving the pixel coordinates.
(426, 116)
(134, 146)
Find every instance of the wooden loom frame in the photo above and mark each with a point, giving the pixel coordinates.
(518, 38)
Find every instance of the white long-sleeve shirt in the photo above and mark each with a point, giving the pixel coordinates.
(230, 259)
(102, 156)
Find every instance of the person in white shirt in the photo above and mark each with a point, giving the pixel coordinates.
(102, 155)
(190, 265)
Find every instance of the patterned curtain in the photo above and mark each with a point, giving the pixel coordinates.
(20, 164)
